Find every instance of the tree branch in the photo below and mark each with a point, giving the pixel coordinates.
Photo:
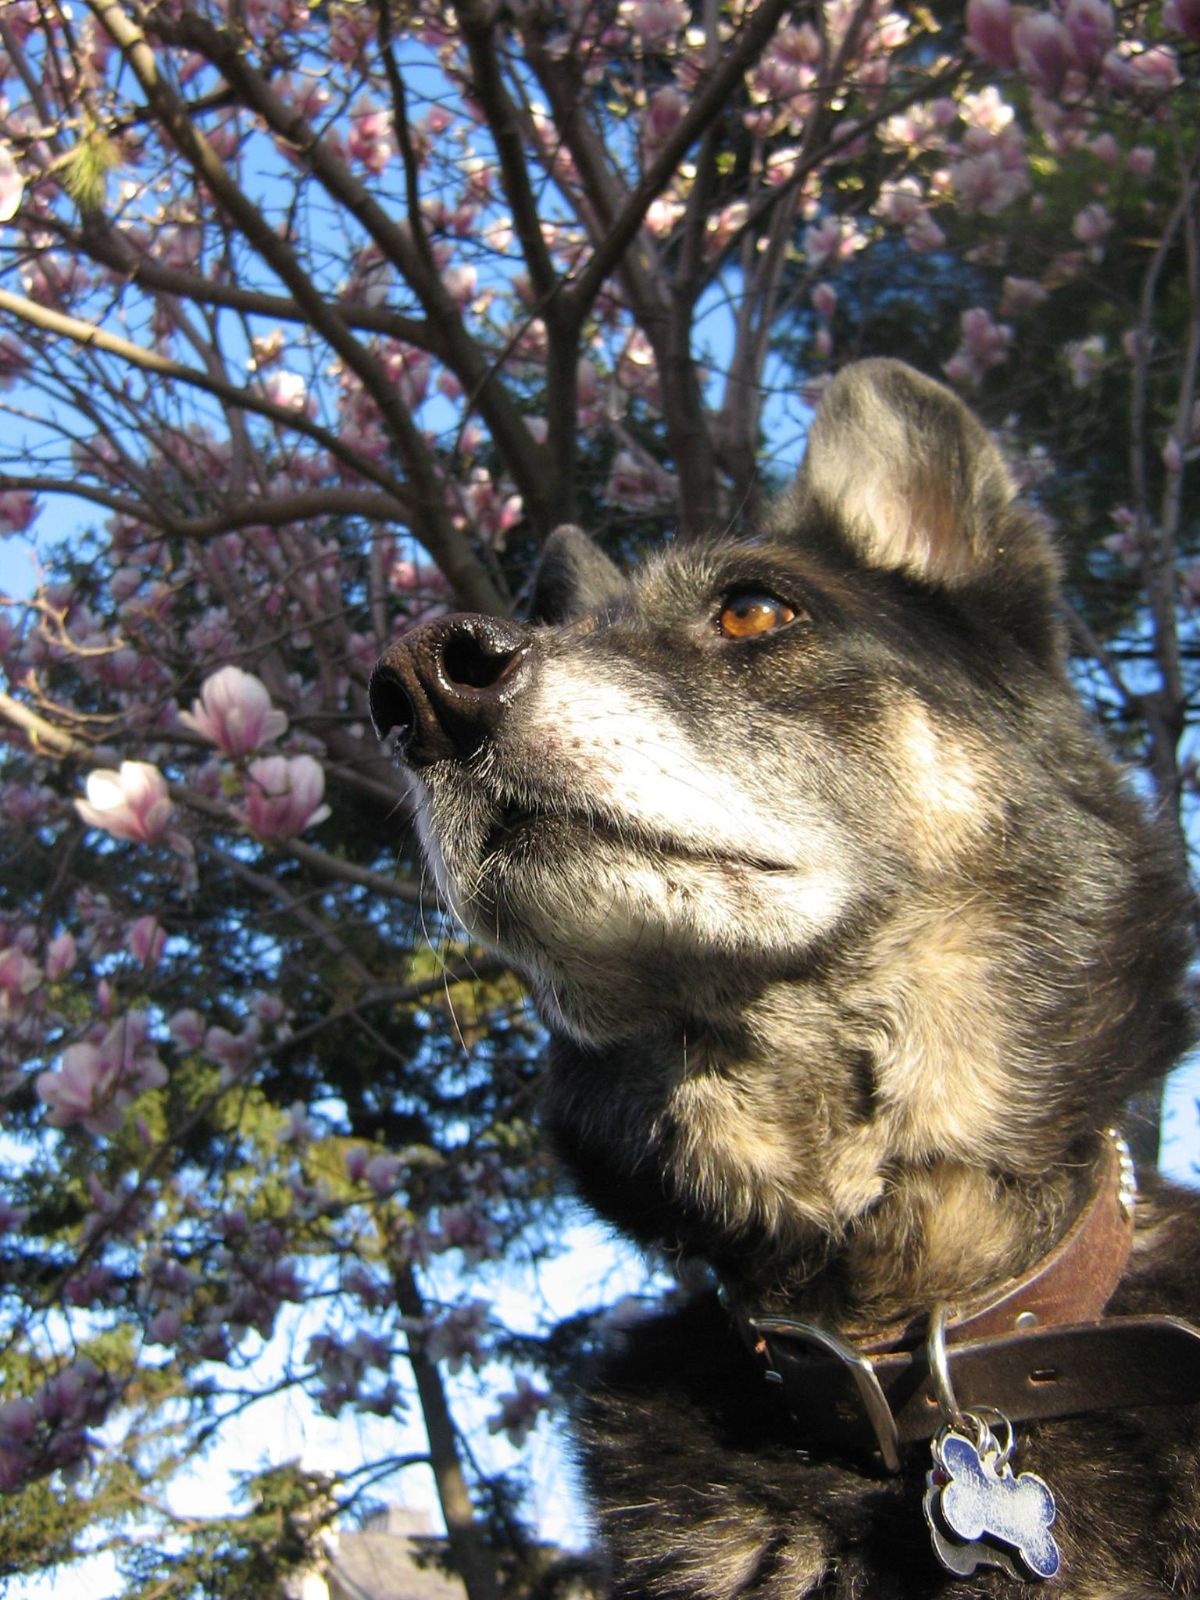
(461, 353)
(468, 1546)
(90, 337)
(449, 548)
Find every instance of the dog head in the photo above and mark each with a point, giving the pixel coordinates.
(824, 795)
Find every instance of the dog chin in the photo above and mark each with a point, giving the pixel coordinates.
(615, 928)
(618, 942)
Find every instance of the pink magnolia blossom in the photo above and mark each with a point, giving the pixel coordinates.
(990, 181)
(1124, 543)
(1092, 225)
(382, 1175)
(131, 803)
(727, 223)
(1085, 359)
(466, 1228)
(985, 344)
(1021, 294)
(283, 796)
(1155, 71)
(831, 240)
(1183, 16)
(12, 185)
(287, 390)
(356, 1161)
(661, 216)
(663, 115)
(458, 1336)
(1090, 26)
(409, 369)
(234, 712)
(19, 978)
(187, 1029)
(18, 508)
(78, 1395)
(372, 140)
(18, 1421)
(146, 940)
(61, 955)
(900, 202)
(236, 1052)
(990, 31)
(91, 1287)
(300, 1127)
(14, 361)
(268, 1008)
(638, 482)
(637, 370)
(1105, 149)
(519, 1411)
(165, 1327)
(100, 1076)
(266, 349)
(462, 284)
(923, 235)
(654, 23)
(1043, 48)
(491, 512)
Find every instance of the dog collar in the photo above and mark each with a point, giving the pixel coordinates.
(1039, 1348)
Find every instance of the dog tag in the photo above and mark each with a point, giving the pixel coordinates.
(981, 1513)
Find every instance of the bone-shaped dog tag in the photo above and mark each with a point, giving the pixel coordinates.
(982, 1514)
(957, 1556)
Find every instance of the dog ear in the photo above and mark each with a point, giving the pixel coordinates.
(573, 576)
(912, 480)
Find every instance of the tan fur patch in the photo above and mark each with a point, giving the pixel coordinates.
(734, 1154)
(727, 1545)
(947, 1067)
(945, 790)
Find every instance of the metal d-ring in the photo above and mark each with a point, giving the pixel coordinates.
(939, 1366)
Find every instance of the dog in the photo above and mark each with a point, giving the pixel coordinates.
(852, 943)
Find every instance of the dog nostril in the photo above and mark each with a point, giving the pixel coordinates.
(390, 704)
(467, 662)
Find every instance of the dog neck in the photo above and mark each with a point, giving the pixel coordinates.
(956, 1235)
(1040, 1346)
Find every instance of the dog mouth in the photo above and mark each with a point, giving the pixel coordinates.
(519, 829)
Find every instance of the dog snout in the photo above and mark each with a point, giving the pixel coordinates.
(443, 688)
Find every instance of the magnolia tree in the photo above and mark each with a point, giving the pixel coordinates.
(315, 319)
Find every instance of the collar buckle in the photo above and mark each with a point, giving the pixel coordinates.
(861, 1369)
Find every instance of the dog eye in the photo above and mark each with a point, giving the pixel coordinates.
(753, 612)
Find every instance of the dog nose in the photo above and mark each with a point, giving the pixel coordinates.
(443, 687)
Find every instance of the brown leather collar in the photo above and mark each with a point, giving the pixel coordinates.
(1072, 1283)
(1036, 1349)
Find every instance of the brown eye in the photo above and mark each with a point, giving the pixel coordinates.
(745, 616)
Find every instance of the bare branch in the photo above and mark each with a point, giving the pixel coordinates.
(88, 336)
(709, 101)
(477, 25)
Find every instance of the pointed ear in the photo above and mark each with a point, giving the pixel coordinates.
(913, 482)
(573, 576)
